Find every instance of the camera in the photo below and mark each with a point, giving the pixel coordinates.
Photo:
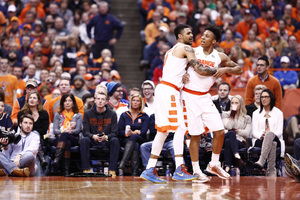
(11, 135)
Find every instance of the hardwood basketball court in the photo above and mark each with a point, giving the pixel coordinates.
(58, 187)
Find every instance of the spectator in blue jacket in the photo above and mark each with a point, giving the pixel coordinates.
(104, 24)
(287, 78)
(133, 127)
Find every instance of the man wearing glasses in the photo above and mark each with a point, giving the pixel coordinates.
(148, 88)
(264, 78)
(115, 93)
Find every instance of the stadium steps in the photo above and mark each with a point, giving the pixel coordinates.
(128, 49)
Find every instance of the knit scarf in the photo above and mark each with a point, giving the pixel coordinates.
(67, 119)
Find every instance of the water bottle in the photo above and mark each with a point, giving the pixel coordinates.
(168, 170)
(106, 168)
(100, 167)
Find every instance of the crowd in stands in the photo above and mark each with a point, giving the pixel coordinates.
(58, 74)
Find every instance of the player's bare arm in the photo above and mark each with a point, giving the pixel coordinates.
(194, 62)
(229, 66)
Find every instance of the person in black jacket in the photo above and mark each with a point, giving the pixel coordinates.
(223, 102)
(100, 128)
(256, 104)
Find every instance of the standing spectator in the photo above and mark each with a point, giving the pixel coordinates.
(135, 135)
(223, 101)
(79, 90)
(100, 128)
(256, 104)
(264, 78)
(267, 127)
(8, 82)
(104, 24)
(67, 125)
(287, 78)
(82, 29)
(19, 159)
(237, 126)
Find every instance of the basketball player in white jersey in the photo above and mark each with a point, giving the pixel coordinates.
(167, 104)
(199, 106)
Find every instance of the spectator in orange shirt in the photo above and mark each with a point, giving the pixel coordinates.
(259, 36)
(33, 5)
(17, 71)
(228, 43)
(266, 25)
(244, 26)
(251, 42)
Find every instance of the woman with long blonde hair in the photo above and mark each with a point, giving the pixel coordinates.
(237, 126)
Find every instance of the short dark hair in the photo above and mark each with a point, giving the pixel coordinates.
(27, 115)
(272, 98)
(62, 101)
(179, 29)
(215, 30)
(264, 58)
(86, 96)
(224, 83)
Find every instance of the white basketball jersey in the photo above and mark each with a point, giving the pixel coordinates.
(203, 83)
(174, 68)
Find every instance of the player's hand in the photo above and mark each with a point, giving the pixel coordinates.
(220, 72)
(186, 78)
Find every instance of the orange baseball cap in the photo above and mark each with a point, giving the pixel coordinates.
(273, 29)
(88, 77)
(27, 26)
(14, 19)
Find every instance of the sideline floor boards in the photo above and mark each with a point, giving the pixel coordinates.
(58, 187)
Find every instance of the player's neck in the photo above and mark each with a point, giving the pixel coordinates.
(208, 50)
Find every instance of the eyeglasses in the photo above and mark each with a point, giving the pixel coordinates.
(147, 89)
(265, 97)
(119, 90)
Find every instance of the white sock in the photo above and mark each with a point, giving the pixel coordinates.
(196, 168)
(178, 145)
(151, 163)
(157, 145)
(214, 159)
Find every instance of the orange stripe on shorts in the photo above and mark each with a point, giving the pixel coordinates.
(173, 105)
(174, 120)
(184, 109)
(185, 117)
(172, 112)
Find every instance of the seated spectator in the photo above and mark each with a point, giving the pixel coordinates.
(240, 81)
(67, 125)
(223, 101)
(274, 59)
(237, 126)
(148, 88)
(133, 127)
(256, 104)
(34, 107)
(44, 90)
(277, 41)
(88, 101)
(7, 108)
(251, 43)
(146, 147)
(19, 159)
(79, 89)
(17, 71)
(292, 126)
(236, 53)
(100, 128)
(228, 43)
(287, 78)
(5, 120)
(115, 93)
(115, 77)
(267, 127)
(89, 83)
(70, 52)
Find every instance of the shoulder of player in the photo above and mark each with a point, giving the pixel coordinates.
(223, 56)
(187, 48)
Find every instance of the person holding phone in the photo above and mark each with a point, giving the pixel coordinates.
(237, 126)
(67, 125)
